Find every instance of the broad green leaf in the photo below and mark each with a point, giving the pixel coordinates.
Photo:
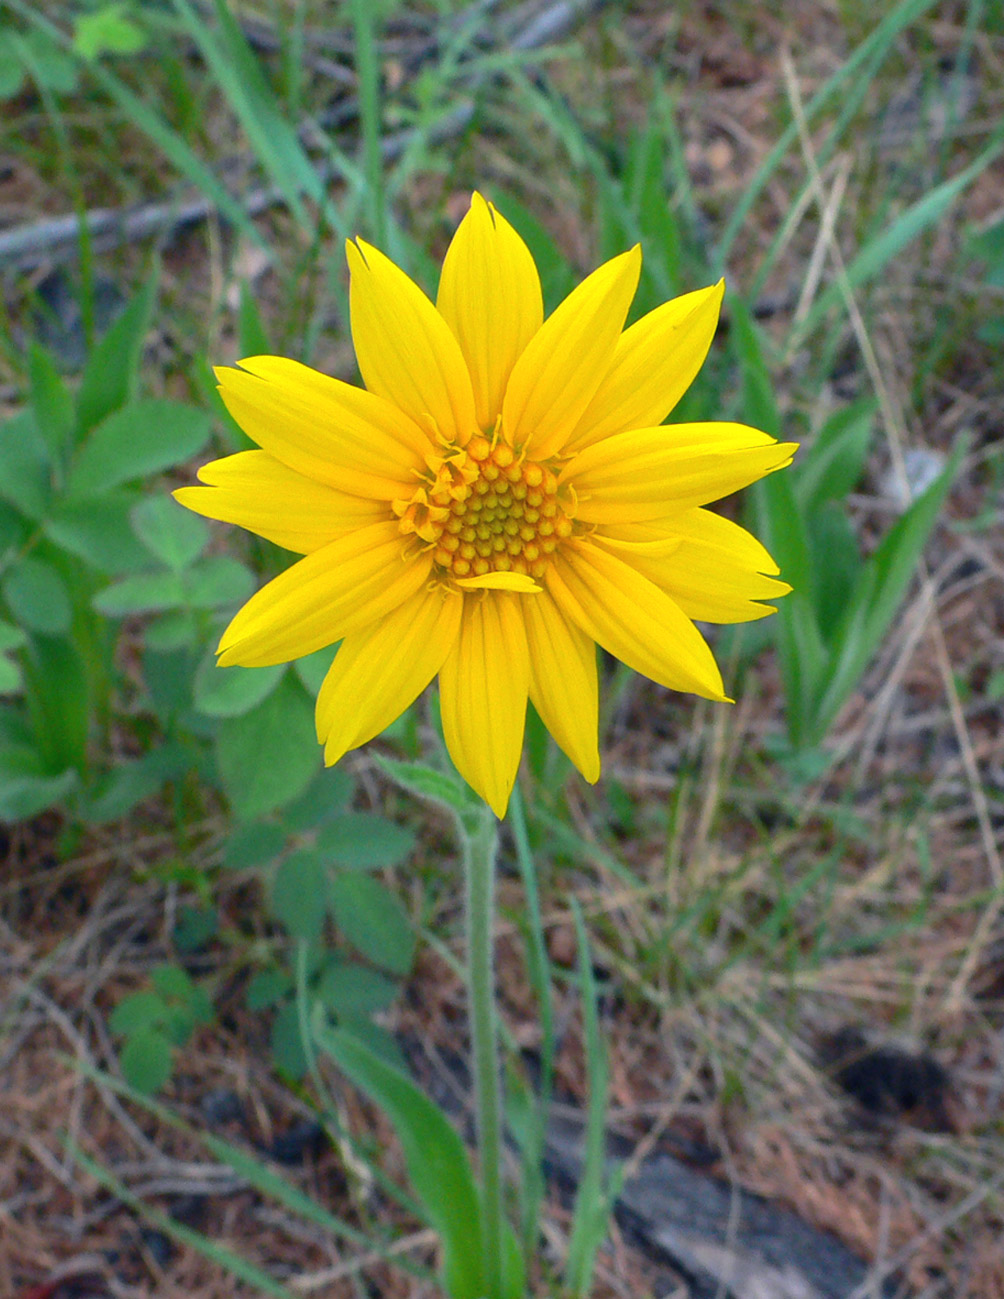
(364, 841)
(51, 402)
(299, 900)
(10, 676)
(231, 692)
(268, 757)
(217, 580)
(170, 533)
(26, 788)
(836, 563)
(136, 441)
(138, 1010)
(253, 845)
(327, 797)
(11, 637)
(118, 791)
(373, 921)
(110, 374)
(172, 631)
(141, 593)
(58, 695)
(26, 481)
(146, 1059)
(347, 988)
(108, 30)
(37, 596)
(266, 987)
(444, 789)
(833, 464)
(437, 1163)
(313, 668)
(98, 531)
(287, 1042)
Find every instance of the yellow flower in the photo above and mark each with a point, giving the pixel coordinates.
(500, 496)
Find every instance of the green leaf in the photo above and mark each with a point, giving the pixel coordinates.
(437, 1163)
(834, 462)
(174, 630)
(169, 532)
(10, 676)
(364, 841)
(373, 921)
(58, 694)
(218, 580)
(98, 531)
(445, 790)
(107, 30)
(232, 692)
(268, 756)
(299, 895)
(326, 798)
(266, 987)
(11, 637)
(137, 1010)
(252, 335)
(26, 481)
(146, 1060)
(25, 788)
(313, 668)
(196, 927)
(110, 374)
(118, 791)
(37, 596)
(51, 402)
(137, 441)
(253, 845)
(350, 989)
(142, 593)
(286, 1042)
(877, 596)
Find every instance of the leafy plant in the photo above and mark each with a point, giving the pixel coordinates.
(155, 1023)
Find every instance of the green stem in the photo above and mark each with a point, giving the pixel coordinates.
(480, 844)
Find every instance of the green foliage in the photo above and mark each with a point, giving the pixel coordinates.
(154, 1023)
(437, 1163)
(833, 622)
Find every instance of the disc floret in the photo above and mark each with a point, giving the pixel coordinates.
(484, 508)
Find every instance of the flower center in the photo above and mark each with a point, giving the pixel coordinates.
(486, 510)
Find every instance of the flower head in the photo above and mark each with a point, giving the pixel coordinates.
(500, 497)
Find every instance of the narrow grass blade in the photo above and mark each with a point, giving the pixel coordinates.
(235, 1264)
(878, 596)
(594, 1198)
(875, 46)
(878, 252)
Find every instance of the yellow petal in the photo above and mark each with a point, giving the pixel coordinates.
(323, 428)
(380, 671)
(334, 591)
(489, 295)
(649, 473)
(405, 349)
(563, 682)
(712, 568)
(654, 364)
(483, 691)
(629, 616)
(564, 363)
(255, 491)
(500, 581)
